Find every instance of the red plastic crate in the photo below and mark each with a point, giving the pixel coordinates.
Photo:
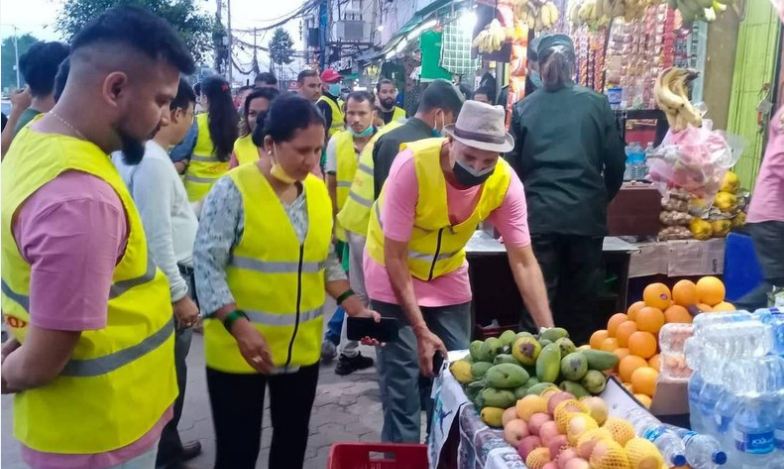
(352, 455)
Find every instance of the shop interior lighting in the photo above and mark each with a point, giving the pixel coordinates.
(468, 20)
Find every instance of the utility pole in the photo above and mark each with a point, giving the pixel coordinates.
(228, 21)
(218, 15)
(16, 56)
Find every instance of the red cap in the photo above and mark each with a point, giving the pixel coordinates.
(330, 76)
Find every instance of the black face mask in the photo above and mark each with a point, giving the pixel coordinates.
(467, 177)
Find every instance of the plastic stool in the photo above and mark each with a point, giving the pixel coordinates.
(742, 270)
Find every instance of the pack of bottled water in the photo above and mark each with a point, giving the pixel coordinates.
(736, 390)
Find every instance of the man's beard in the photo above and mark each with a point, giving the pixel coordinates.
(133, 148)
(388, 103)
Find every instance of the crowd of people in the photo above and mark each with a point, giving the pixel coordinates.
(136, 206)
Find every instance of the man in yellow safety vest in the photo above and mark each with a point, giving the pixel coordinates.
(386, 94)
(92, 355)
(437, 193)
(330, 104)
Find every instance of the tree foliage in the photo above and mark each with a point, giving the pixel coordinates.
(281, 47)
(8, 58)
(196, 28)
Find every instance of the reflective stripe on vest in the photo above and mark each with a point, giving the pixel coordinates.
(338, 118)
(245, 150)
(437, 246)
(354, 215)
(276, 280)
(128, 365)
(205, 168)
(346, 168)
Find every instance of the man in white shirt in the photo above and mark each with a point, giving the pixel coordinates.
(170, 225)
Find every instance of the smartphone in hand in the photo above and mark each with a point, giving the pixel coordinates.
(384, 331)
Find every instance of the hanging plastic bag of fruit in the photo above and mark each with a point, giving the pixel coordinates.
(695, 160)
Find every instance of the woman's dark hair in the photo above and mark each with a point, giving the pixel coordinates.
(556, 67)
(289, 113)
(222, 116)
(267, 93)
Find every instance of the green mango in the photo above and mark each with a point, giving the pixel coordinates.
(472, 389)
(567, 346)
(594, 381)
(479, 369)
(600, 360)
(554, 333)
(473, 350)
(502, 398)
(521, 392)
(539, 388)
(489, 349)
(505, 358)
(506, 376)
(574, 366)
(548, 364)
(507, 337)
(575, 389)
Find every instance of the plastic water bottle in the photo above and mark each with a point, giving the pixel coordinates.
(702, 451)
(668, 442)
(774, 317)
(753, 431)
(709, 397)
(778, 431)
(725, 410)
(696, 418)
(702, 321)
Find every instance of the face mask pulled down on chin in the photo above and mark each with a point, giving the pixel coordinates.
(278, 172)
(438, 131)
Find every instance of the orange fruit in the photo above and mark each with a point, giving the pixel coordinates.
(621, 353)
(724, 306)
(613, 323)
(643, 344)
(644, 400)
(597, 338)
(650, 319)
(628, 387)
(703, 308)
(677, 313)
(657, 295)
(644, 380)
(710, 290)
(684, 293)
(627, 366)
(655, 362)
(632, 311)
(609, 344)
(624, 330)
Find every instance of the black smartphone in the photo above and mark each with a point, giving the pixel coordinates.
(438, 362)
(384, 331)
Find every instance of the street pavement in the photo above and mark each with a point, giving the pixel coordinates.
(347, 408)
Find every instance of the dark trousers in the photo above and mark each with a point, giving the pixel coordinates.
(237, 402)
(572, 269)
(170, 446)
(768, 239)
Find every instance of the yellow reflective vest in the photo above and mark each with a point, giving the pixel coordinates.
(355, 213)
(204, 169)
(437, 247)
(245, 150)
(338, 118)
(274, 278)
(398, 114)
(120, 379)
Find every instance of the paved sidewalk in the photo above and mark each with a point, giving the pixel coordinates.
(346, 409)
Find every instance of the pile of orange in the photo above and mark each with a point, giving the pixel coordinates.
(633, 335)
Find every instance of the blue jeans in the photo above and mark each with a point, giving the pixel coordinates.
(334, 325)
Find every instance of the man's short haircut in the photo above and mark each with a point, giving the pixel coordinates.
(39, 66)
(361, 97)
(441, 94)
(266, 77)
(384, 81)
(305, 74)
(139, 29)
(61, 78)
(185, 96)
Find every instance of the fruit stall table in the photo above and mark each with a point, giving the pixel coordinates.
(459, 438)
(490, 274)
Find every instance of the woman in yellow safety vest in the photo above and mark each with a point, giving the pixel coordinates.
(216, 134)
(246, 149)
(263, 259)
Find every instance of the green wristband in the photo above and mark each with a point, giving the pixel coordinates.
(343, 296)
(232, 317)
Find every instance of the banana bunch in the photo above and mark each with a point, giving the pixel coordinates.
(705, 10)
(490, 39)
(672, 97)
(538, 15)
(599, 13)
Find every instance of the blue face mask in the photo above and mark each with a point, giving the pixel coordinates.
(535, 78)
(334, 89)
(364, 134)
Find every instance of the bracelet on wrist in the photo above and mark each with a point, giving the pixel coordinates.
(343, 296)
(232, 317)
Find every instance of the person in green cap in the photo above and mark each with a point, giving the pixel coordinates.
(571, 164)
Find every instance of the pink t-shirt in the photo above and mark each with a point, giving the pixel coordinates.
(397, 216)
(72, 229)
(767, 200)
